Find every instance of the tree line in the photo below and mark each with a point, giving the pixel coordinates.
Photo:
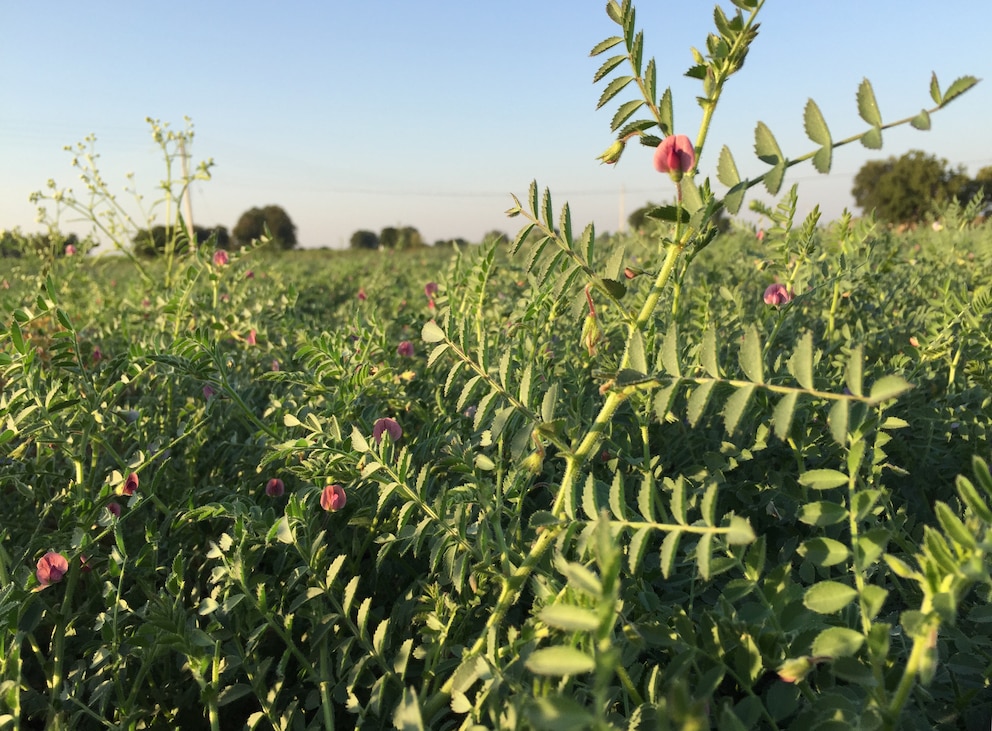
(252, 225)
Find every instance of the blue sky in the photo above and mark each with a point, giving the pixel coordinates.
(360, 115)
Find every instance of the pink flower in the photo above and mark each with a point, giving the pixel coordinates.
(405, 349)
(777, 294)
(675, 156)
(275, 487)
(914, 341)
(430, 289)
(249, 274)
(220, 258)
(761, 235)
(97, 354)
(51, 568)
(385, 425)
(209, 392)
(361, 294)
(130, 485)
(114, 508)
(333, 498)
(275, 365)
(70, 249)
(251, 337)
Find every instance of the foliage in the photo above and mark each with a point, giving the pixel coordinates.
(149, 243)
(364, 240)
(406, 237)
(257, 224)
(905, 189)
(569, 482)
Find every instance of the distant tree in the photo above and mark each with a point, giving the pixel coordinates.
(252, 224)
(150, 243)
(409, 238)
(496, 236)
(905, 189)
(364, 240)
(389, 237)
(982, 182)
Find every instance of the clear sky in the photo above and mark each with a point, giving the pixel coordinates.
(359, 115)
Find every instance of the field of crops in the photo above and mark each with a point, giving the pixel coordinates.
(328, 490)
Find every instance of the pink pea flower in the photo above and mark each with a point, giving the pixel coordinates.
(761, 235)
(777, 294)
(275, 365)
(70, 249)
(51, 568)
(361, 294)
(249, 274)
(275, 487)
(333, 498)
(385, 425)
(97, 354)
(675, 156)
(221, 258)
(251, 337)
(130, 485)
(114, 508)
(405, 349)
(914, 341)
(430, 289)
(209, 392)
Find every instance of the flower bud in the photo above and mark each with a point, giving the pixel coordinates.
(675, 156)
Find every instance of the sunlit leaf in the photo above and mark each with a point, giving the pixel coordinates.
(782, 416)
(825, 551)
(837, 642)
(750, 355)
(958, 87)
(828, 597)
(559, 661)
(816, 126)
(889, 387)
(726, 169)
(606, 45)
(569, 618)
(765, 145)
(612, 89)
(735, 407)
(867, 106)
(922, 120)
(822, 479)
(837, 420)
(872, 139)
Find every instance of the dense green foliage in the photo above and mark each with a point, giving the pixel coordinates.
(911, 188)
(256, 223)
(688, 479)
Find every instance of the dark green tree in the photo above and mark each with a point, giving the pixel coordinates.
(903, 190)
(364, 240)
(151, 242)
(254, 221)
(389, 237)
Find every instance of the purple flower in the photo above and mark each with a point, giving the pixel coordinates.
(333, 498)
(675, 156)
(130, 485)
(209, 392)
(405, 349)
(51, 568)
(114, 508)
(777, 294)
(275, 487)
(385, 425)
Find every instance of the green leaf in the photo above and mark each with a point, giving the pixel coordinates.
(867, 106)
(953, 527)
(872, 139)
(692, 201)
(580, 578)
(612, 89)
(606, 45)
(873, 597)
(559, 661)
(822, 513)
(970, 496)
(816, 126)
(704, 554)
(635, 352)
(569, 618)
(669, 352)
(734, 198)
(774, 177)
(740, 532)
(284, 533)
(822, 479)
(750, 355)
(697, 402)
(669, 547)
(957, 88)
(557, 713)
(921, 121)
(765, 146)
(782, 416)
(801, 362)
(735, 407)
(707, 353)
(828, 597)
(549, 402)
(665, 113)
(823, 159)
(888, 387)
(837, 642)
(624, 113)
(854, 374)
(17, 337)
(669, 213)
(407, 716)
(934, 88)
(837, 421)
(431, 332)
(726, 169)
(825, 551)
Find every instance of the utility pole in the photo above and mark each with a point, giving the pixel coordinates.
(187, 200)
(621, 221)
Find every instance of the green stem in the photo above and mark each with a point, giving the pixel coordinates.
(58, 651)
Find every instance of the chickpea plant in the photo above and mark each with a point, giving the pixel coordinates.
(567, 481)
